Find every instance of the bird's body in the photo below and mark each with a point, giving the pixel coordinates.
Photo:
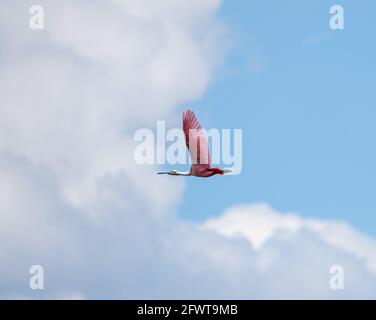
(198, 147)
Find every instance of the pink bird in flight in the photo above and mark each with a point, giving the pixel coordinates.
(198, 147)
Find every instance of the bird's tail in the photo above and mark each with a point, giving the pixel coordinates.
(217, 171)
(220, 171)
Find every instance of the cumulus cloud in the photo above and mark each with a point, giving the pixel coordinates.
(72, 96)
(73, 200)
(260, 224)
(73, 93)
(295, 253)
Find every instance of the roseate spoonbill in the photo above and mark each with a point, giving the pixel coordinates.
(194, 136)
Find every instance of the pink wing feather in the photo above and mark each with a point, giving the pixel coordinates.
(195, 136)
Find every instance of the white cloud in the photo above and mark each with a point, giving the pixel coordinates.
(260, 223)
(73, 93)
(71, 98)
(296, 252)
(71, 197)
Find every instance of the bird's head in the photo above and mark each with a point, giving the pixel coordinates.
(172, 172)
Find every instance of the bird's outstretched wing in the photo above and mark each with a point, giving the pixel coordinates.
(196, 141)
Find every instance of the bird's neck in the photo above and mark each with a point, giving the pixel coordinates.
(184, 173)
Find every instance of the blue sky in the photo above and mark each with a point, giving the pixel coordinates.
(304, 96)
